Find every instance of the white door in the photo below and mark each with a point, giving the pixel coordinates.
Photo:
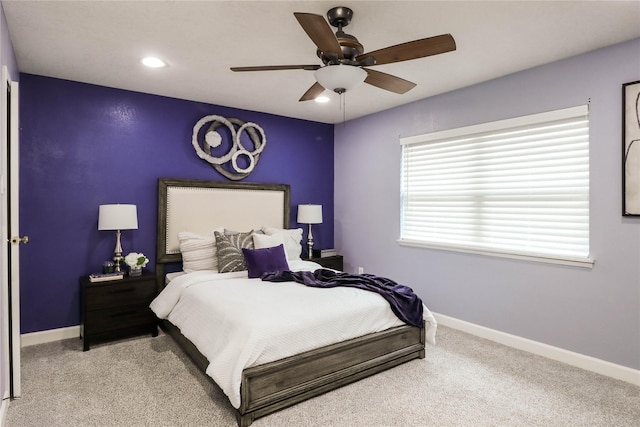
(10, 233)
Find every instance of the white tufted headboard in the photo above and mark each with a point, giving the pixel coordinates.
(200, 206)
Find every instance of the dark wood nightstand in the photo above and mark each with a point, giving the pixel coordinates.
(117, 308)
(334, 262)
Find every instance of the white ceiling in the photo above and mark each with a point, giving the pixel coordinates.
(101, 42)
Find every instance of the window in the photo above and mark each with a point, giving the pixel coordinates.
(516, 188)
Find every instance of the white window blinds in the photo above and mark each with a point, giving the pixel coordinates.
(517, 187)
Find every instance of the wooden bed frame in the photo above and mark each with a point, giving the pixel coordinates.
(276, 385)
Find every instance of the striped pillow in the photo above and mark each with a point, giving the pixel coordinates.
(229, 250)
(198, 251)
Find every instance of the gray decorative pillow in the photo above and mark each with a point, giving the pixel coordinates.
(228, 232)
(229, 251)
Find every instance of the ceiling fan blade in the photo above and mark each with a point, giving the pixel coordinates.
(277, 67)
(412, 50)
(312, 93)
(388, 82)
(319, 32)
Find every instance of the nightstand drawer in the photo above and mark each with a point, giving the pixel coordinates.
(100, 296)
(99, 321)
(333, 262)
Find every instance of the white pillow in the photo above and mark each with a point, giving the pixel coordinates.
(292, 240)
(198, 251)
(261, 241)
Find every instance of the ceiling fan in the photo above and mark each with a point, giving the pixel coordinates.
(344, 58)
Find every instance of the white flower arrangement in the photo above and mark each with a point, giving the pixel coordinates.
(136, 260)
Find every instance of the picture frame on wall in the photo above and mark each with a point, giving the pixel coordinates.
(631, 148)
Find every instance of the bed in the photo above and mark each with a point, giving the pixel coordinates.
(272, 378)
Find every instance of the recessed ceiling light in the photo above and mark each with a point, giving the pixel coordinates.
(321, 99)
(153, 62)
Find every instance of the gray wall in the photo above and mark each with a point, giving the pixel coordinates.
(596, 311)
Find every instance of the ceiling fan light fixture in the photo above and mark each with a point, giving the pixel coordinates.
(340, 78)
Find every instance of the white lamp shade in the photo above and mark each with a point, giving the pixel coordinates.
(117, 217)
(310, 214)
(340, 78)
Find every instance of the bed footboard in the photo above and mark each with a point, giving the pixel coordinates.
(277, 385)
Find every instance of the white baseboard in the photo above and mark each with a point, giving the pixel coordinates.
(4, 407)
(51, 335)
(578, 360)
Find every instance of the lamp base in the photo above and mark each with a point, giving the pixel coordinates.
(310, 244)
(117, 257)
(310, 250)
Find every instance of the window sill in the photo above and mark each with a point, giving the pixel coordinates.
(572, 261)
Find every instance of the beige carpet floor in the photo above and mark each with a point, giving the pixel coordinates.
(464, 381)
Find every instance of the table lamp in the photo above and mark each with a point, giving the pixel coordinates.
(118, 217)
(310, 214)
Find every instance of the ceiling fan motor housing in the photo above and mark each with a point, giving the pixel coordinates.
(340, 17)
(350, 47)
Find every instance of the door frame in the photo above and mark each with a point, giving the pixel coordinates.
(9, 99)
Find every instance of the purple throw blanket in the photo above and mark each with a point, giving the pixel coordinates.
(403, 301)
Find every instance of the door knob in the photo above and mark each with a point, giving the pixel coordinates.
(17, 240)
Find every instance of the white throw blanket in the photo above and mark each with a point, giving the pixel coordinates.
(250, 322)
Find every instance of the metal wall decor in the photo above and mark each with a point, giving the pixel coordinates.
(631, 148)
(237, 161)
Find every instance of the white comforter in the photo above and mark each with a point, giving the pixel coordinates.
(250, 322)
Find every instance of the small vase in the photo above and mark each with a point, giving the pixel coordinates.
(135, 271)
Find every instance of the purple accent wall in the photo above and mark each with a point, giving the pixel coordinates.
(84, 145)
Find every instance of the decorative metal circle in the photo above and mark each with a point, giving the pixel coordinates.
(207, 156)
(213, 139)
(234, 161)
(258, 145)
